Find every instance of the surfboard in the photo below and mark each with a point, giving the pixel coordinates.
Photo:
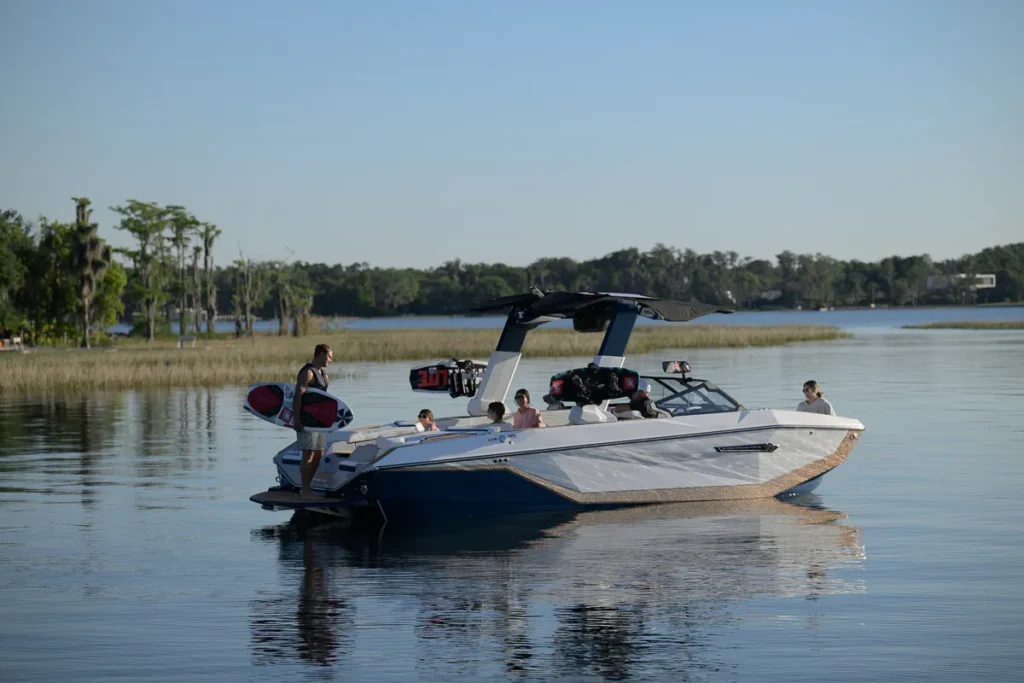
(321, 411)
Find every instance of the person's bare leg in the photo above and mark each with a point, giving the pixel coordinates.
(307, 474)
(308, 466)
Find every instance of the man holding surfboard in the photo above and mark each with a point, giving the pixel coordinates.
(311, 375)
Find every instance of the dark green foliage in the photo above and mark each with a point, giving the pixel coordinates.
(723, 278)
(90, 258)
(57, 279)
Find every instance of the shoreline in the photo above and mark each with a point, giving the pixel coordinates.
(452, 316)
(138, 364)
(969, 325)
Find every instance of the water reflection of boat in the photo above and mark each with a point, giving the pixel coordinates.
(707, 446)
(586, 593)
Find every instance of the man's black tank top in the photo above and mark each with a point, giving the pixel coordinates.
(319, 378)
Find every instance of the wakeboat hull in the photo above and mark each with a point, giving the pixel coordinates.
(730, 456)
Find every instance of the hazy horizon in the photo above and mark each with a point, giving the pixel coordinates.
(406, 136)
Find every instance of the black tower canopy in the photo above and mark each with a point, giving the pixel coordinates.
(591, 311)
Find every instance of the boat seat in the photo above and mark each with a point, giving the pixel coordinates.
(461, 421)
(371, 432)
(476, 429)
(364, 452)
(591, 414)
(385, 442)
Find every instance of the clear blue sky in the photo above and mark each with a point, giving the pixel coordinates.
(409, 133)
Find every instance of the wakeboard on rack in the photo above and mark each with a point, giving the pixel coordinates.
(320, 411)
(453, 377)
(593, 385)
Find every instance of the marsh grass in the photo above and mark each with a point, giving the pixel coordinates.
(970, 325)
(135, 365)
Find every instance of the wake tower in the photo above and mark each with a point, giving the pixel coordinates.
(614, 314)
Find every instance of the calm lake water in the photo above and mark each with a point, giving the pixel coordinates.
(129, 549)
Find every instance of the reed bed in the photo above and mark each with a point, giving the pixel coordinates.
(263, 358)
(970, 325)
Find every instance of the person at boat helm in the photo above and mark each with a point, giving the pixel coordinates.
(814, 401)
(640, 402)
(312, 444)
(527, 417)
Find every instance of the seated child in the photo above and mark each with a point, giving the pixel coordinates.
(496, 413)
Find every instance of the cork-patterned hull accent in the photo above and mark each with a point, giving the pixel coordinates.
(766, 489)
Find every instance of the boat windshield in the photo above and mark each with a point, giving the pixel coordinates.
(690, 396)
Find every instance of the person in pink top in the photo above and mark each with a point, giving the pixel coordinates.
(527, 417)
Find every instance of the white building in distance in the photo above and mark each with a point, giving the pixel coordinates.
(981, 281)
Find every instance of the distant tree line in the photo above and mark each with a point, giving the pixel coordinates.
(722, 278)
(61, 280)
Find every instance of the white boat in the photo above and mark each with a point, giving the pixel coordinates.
(706, 446)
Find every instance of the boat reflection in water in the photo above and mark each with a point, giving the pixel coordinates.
(607, 593)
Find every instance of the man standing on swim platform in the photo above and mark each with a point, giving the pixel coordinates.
(311, 443)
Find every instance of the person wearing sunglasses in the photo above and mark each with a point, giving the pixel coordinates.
(814, 401)
(426, 420)
(526, 417)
